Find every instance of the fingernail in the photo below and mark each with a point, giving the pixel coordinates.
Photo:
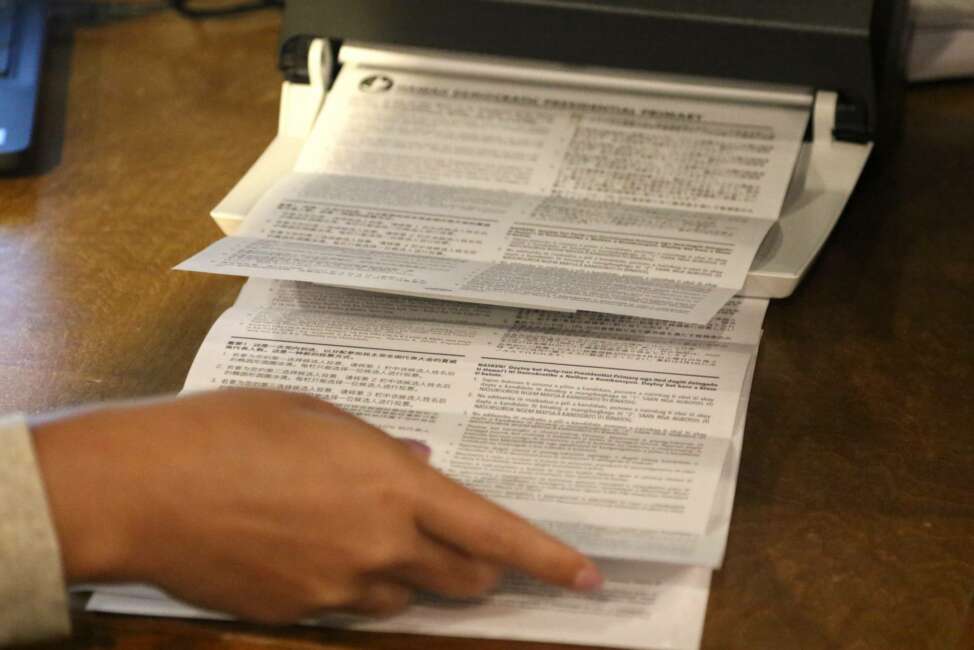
(588, 579)
(421, 449)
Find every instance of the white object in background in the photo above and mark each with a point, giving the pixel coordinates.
(943, 40)
(642, 606)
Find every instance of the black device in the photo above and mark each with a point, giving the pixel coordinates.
(22, 31)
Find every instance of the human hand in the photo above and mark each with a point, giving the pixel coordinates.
(274, 507)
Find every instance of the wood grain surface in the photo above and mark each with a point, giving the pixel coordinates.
(854, 520)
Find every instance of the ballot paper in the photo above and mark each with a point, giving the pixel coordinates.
(643, 604)
(640, 606)
(509, 193)
(609, 431)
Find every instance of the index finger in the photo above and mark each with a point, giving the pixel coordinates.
(460, 517)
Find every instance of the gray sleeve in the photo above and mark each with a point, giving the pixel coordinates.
(33, 600)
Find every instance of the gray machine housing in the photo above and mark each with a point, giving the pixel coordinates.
(842, 60)
(853, 48)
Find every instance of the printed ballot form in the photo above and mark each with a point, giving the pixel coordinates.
(640, 606)
(620, 435)
(610, 431)
(539, 283)
(509, 193)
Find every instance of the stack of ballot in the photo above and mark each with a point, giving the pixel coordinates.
(539, 283)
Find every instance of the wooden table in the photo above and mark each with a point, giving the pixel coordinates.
(854, 520)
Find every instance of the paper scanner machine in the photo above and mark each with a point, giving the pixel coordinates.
(840, 59)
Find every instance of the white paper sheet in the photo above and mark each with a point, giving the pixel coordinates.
(641, 606)
(624, 148)
(513, 194)
(652, 606)
(609, 431)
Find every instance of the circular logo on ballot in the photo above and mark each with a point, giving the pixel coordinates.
(376, 83)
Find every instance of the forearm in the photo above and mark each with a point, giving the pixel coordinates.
(333, 513)
(33, 602)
